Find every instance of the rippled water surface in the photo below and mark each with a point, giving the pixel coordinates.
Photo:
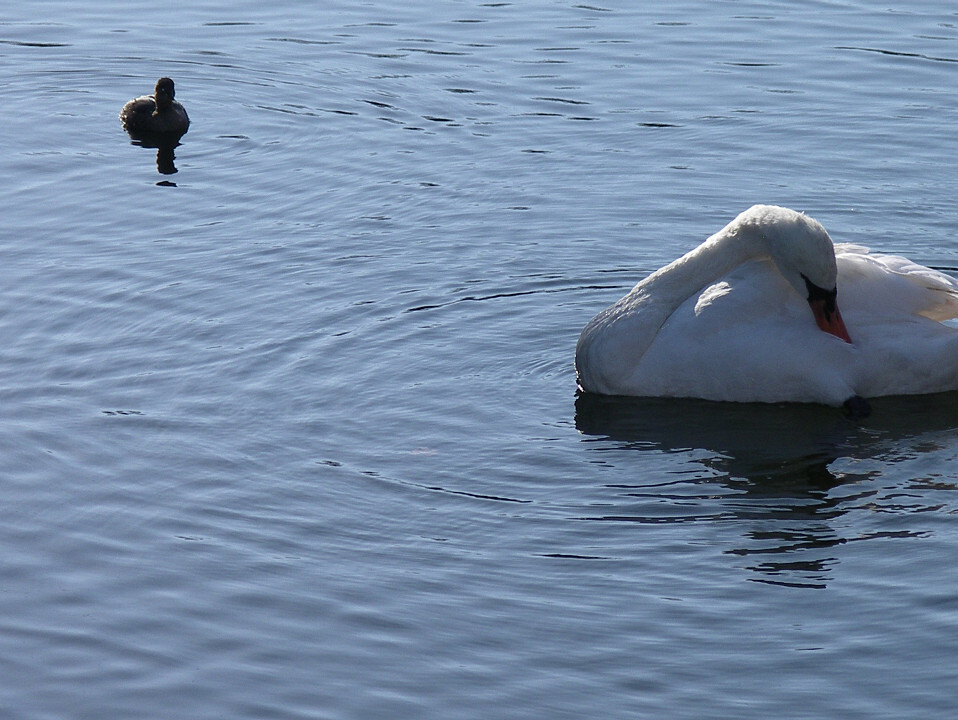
(292, 432)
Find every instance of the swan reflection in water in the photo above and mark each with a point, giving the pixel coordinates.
(778, 466)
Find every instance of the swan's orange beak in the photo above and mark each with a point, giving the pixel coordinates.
(829, 319)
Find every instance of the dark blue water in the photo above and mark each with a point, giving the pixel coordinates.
(292, 432)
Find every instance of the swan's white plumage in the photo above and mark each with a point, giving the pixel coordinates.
(886, 284)
(729, 321)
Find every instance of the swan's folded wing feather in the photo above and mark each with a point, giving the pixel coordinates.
(889, 284)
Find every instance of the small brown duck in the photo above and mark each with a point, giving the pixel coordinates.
(156, 114)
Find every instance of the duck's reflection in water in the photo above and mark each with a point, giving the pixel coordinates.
(778, 468)
(164, 145)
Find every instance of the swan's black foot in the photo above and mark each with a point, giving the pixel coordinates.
(857, 408)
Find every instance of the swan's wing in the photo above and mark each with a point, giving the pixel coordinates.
(888, 285)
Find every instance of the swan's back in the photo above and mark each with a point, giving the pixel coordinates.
(892, 287)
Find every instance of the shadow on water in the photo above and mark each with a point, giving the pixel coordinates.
(774, 466)
(165, 144)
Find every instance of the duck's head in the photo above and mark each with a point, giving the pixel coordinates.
(163, 93)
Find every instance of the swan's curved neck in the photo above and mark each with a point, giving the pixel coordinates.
(698, 268)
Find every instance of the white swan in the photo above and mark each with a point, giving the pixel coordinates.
(751, 316)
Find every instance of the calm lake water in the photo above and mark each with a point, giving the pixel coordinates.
(293, 432)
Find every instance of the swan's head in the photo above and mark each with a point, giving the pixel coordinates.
(805, 256)
(163, 93)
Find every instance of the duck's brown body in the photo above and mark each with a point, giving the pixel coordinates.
(156, 114)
